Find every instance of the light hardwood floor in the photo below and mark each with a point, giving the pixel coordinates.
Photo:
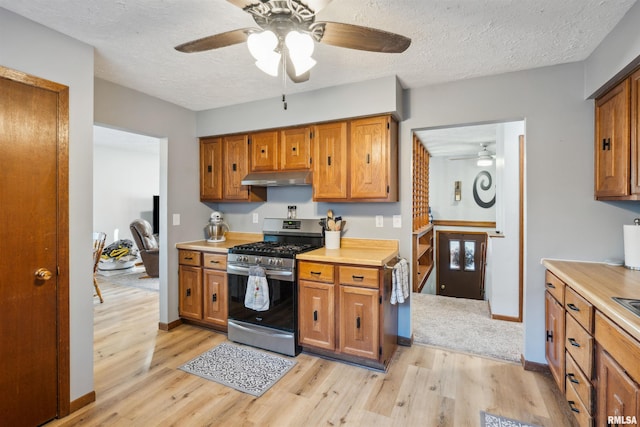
(137, 383)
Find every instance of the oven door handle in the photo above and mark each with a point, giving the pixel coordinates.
(244, 271)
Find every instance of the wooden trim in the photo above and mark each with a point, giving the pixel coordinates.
(506, 318)
(62, 250)
(405, 341)
(458, 223)
(83, 401)
(521, 229)
(169, 326)
(534, 366)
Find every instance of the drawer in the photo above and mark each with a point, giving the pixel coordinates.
(359, 276)
(555, 286)
(577, 408)
(624, 348)
(315, 271)
(580, 345)
(577, 380)
(214, 261)
(579, 308)
(186, 257)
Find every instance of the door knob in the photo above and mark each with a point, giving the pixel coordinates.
(43, 274)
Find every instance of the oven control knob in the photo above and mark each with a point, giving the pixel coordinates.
(258, 260)
(243, 258)
(277, 261)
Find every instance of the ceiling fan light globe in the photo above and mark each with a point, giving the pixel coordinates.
(484, 161)
(302, 65)
(299, 44)
(262, 44)
(269, 64)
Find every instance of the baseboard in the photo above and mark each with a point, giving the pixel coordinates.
(82, 401)
(405, 341)
(169, 326)
(506, 318)
(534, 366)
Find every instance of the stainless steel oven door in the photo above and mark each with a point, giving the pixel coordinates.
(282, 311)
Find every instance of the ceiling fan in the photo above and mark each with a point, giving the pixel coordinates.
(288, 29)
(484, 156)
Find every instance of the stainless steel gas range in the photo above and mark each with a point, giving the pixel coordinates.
(273, 326)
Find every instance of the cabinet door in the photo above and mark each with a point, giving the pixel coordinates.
(264, 151)
(330, 161)
(612, 148)
(236, 154)
(369, 158)
(635, 132)
(554, 345)
(215, 297)
(359, 322)
(190, 286)
(295, 149)
(316, 314)
(618, 395)
(211, 169)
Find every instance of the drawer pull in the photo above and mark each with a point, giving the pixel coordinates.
(316, 273)
(573, 406)
(214, 261)
(573, 307)
(214, 297)
(572, 378)
(358, 322)
(551, 285)
(188, 258)
(573, 342)
(354, 277)
(549, 336)
(315, 315)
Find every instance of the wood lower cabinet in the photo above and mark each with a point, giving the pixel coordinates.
(345, 312)
(202, 283)
(598, 370)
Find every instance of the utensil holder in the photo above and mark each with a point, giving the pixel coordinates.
(332, 239)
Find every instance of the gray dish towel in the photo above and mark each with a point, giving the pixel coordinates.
(400, 285)
(257, 295)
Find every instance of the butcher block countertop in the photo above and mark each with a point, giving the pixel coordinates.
(356, 251)
(232, 239)
(597, 283)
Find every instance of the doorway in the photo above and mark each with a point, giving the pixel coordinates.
(34, 320)
(461, 264)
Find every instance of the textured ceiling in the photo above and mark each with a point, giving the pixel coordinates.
(451, 40)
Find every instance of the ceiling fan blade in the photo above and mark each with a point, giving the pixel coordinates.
(362, 38)
(217, 41)
(463, 158)
(292, 73)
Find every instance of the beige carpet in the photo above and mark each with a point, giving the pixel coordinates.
(464, 325)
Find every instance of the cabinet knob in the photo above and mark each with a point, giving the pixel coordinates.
(315, 315)
(188, 292)
(214, 297)
(549, 336)
(606, 144)
(358, 322)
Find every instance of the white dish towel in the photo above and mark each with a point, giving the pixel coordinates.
(400, 282)
(257, 295)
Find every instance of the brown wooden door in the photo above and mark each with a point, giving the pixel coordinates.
(295, 151)
(554, 344)
(635, 132)
(359, 322)
(211, 169)
(215, 297)
(236, 154)
(612, 142)
(330, 161)
(33, 250)
(317, 316)
(190, 288)
(369, 156)
(618, 394)
(461, 259)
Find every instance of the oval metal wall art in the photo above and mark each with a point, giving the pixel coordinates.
(483, 179)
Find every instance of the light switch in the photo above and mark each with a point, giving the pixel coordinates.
(255, 218)
(397, 221)
(379, 221)
(176, 219)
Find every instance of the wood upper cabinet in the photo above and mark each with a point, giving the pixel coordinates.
(373, 159)
(330, 161)
(211, 169)
(295, 149)
(264, 151)
(617, 155)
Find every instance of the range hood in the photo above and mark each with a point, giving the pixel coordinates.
(277, 178)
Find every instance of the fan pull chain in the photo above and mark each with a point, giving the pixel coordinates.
(284, 80)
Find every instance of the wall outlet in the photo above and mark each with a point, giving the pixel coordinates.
(379, 221)
(176, 219)
(397, 221)
(255, 218)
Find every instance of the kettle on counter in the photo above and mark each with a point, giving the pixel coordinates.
(216, 228)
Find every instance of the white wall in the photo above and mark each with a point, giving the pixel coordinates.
(125, 179)
(442, 175)
(37, 50)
